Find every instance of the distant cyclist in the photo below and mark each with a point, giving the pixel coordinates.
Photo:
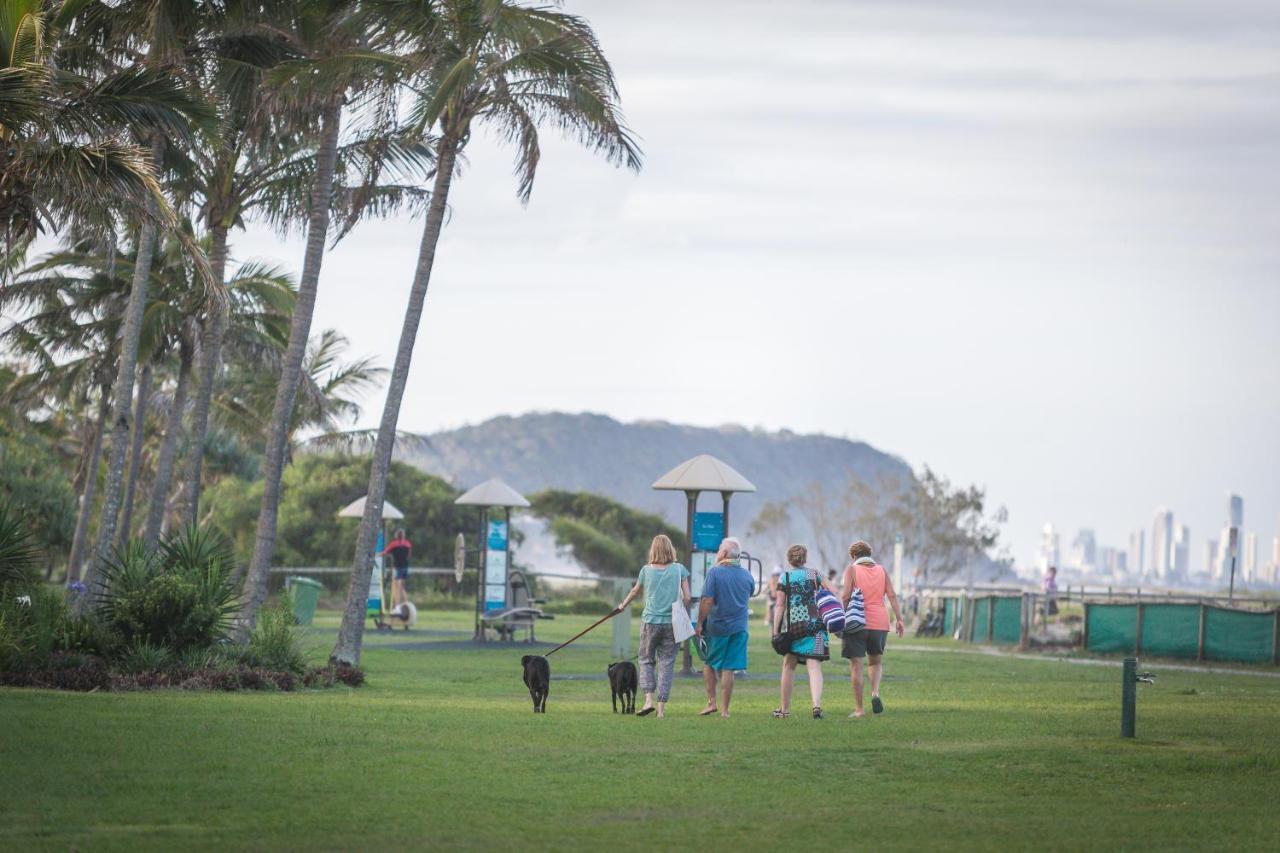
(399, 549)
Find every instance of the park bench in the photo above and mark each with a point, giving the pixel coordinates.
(520, 614)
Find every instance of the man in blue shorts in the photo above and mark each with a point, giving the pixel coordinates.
(722, 615)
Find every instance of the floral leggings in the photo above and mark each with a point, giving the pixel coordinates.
(657, 645)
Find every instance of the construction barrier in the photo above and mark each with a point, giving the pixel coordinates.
(1192, 631)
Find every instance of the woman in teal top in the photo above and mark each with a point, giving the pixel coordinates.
(663, 581)
(797, 608)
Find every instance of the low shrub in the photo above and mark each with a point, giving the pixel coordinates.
(328, 676)
(179, 597)
(91, 675)
(581, 607)
(275, 642)
(143, 656)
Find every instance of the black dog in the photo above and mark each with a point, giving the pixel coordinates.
(537, 677)
(623, 679)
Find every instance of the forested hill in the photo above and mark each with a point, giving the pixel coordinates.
(595, 453)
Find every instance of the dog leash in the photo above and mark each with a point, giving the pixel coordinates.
(597, 623)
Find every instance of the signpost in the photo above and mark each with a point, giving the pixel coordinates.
(1233, 542)
(491, 584)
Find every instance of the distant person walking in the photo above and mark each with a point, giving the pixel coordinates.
(867, 576)
(722, 615)
(797, 613)
(1050, 593)
(663, 581)
(399, 549)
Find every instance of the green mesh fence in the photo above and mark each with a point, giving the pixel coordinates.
(981, 625)
(1112, 627)
(1007, 627)
(1171, 630)
(948, 616)
(1236, 636)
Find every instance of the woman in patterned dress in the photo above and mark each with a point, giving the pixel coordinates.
(796, 606)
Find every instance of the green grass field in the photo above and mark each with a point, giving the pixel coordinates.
(441, 750)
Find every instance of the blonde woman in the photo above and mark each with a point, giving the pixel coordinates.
(663, 581)
(797, 607)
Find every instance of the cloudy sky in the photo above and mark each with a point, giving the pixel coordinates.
(1031, 244)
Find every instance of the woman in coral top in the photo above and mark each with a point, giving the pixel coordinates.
(865, 574)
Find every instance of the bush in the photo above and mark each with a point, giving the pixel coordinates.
(328, 676)
(18, 554)
(181, 597)
(274, 643)
(582, 607)
(143, 656)
(33, 621)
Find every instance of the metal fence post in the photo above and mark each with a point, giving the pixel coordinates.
(991, 619)
(1085, 633)
(1137, 640)
(1200, 640)
(1275, 639)
(1024, 628)
(1128, 697)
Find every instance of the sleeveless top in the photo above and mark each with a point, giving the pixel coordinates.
(871, 580)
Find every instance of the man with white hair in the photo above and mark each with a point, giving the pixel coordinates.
(722, 615)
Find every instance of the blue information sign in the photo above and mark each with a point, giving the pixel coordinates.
(708, 530)
(495, 564)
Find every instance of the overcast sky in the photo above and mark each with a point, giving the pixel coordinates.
(1029, 243)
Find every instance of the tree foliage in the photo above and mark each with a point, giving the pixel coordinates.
(605, 536)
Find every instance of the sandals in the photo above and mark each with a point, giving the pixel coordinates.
(644, 712)
(876, 705)
(817, 712)
(708, 712)
(780, 714)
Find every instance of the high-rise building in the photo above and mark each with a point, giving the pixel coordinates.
(1112, 562)
(1137, 550)
(1180, 553)
(1275, 561)
(1084, 551)
(1249, 558)
(1048, 547)
(1235, 518)
(1161, 545)
(1210, 558)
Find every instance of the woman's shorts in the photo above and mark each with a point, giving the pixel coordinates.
(727, 651)
(862, 642)
(402, 574)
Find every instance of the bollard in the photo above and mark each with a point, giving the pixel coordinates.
(1129, 695)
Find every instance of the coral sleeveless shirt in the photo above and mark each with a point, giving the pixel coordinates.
(871, 580)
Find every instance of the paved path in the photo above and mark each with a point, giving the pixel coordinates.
(1002, 653)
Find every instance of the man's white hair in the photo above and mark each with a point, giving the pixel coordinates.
(730, 549)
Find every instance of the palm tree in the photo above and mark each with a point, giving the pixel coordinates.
(338, 61)
(511, 66)
(169, 29)
(64, 151)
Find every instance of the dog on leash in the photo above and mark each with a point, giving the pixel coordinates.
(537, 677)
(623, 680)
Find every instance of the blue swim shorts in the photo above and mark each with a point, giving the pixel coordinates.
(727, 652)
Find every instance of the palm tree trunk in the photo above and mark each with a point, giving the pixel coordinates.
(81, 538)
(291, 370)
(135, 455)
(210, 359)
(168, 451)
(130, 338)
(351, 634)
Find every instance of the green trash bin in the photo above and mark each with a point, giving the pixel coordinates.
(306, 595)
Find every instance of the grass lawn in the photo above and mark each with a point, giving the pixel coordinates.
(441, 750)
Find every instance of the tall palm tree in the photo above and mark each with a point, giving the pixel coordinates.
(339, 61)
(511, 66)
(65, 152)
(168, 28)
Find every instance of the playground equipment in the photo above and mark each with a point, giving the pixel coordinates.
(704, 530)
(377, 608)
(521, 615)
(500, 603)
